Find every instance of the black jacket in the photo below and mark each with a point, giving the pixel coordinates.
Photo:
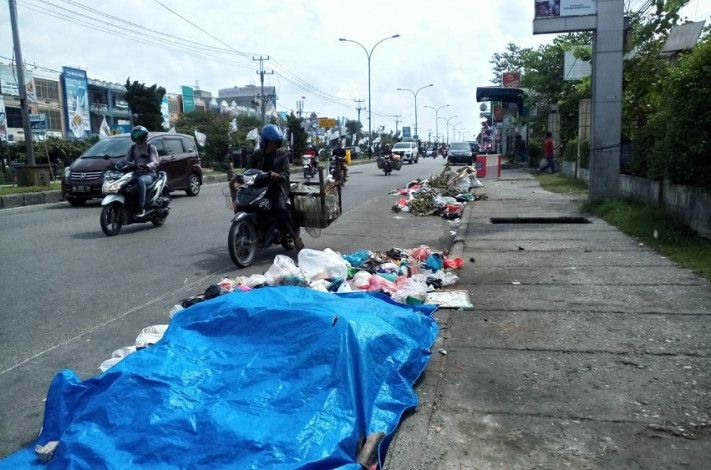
(278, 163)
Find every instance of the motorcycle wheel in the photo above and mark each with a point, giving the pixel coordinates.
(111, 218)
(159, 220)
(242, 243)
(307, 173)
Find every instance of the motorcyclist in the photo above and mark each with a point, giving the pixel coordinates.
(387, 150)
(340, 153)
(145, 156)
(275, 163)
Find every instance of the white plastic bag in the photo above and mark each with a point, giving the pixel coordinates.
(150, 335)
(283, 271)
(344, 288)
(326, 264)
(176, 308)
(410, 288)
(361, 280)
(321, 285)
(255, 280)
(116, 357)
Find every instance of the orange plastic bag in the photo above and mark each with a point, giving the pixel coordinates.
(453, 263)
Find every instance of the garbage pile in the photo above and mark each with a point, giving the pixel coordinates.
(407, 276)
(445, 194)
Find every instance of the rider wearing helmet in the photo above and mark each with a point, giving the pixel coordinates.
(145, 156)
(275, 163)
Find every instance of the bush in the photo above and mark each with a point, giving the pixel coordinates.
(585, 153)
(535, 151)
(570, 152)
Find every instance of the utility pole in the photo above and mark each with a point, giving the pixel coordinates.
(20, 67)
(397, 121)
(359, 107)
(300, 106)
(261, 72)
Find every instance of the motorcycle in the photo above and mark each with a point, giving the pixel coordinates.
(336, 170)
(253, 225)
(387, 164)
(120, 203)
(310, 163)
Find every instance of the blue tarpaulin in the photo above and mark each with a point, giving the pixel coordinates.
(281, 377)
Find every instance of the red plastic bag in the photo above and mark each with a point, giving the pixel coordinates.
(420, 253)
(453, 263)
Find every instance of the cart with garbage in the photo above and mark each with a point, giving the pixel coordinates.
(316, 204)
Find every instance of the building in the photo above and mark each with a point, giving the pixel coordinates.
(248, 97)
(107, 100)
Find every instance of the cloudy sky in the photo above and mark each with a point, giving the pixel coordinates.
(448, 43)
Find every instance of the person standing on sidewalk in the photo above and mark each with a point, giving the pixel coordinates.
(549, 153)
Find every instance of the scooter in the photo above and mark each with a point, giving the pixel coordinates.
(310, 163)
(253, 225)
(120, 203)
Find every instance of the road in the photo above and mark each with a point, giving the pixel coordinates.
(71, 295)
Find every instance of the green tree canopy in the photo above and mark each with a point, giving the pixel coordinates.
(144, 102)
(215, 126)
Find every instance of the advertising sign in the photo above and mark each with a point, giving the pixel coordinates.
(406, 132)
(30, 86)
(326, 123)
(165, 113)
(76, 102)
(38, 122)
(188, 99)
(553, 8)
(512, 79)
(3, 120)
(8, 84)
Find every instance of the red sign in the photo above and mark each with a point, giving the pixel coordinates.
(512, 79)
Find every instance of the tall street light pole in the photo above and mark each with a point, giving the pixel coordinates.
(20, 67)
(369, 54)
(414, 94)
(436, 110)
(454, 129)
(448, 119)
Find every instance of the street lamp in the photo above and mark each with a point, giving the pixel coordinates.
(414, 94)
(447, 119)
(436, 110)
(369, 54)
(454, 129)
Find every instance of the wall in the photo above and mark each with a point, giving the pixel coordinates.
(692, 204)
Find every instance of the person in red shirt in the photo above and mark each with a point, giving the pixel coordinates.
(548, 152)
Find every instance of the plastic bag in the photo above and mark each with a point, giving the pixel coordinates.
(255, 280)
(227, 284)
(116, 357)
(361, 280)
(321, 285)
(357, 258)
(150, 335)
(420, 253)
(176, 308)
(326, 264)
(378, 283)
(389, 268)
(284, 272)
(475, 183)
(411, 292)
(433, 262)
(344, 288)
(453, 263)
(448, 278)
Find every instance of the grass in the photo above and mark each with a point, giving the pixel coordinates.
(5, 190)
(559, 183)
(674, 239)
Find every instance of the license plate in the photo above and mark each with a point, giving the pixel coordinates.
(81, 189)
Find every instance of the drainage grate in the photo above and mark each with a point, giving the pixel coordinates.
(539, 220)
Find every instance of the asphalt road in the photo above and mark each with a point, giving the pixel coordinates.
(70, 295)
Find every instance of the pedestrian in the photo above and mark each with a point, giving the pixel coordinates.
(548, 153)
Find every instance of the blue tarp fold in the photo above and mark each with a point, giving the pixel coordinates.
(273, 378)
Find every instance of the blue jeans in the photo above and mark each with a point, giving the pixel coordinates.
(144, 180)
(550, 163)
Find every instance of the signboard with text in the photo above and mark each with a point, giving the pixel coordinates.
(512, 79)
(406, 132)
(326, 123)
(38, 122)
(554, 8)
(76, 102)
(188, 99)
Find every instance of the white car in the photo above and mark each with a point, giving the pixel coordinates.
(408, 151)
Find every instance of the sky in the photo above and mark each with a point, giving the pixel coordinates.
(448, 43)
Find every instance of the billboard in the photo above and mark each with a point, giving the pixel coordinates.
(76, 102)
(511, 79)
(165, 113)
(326, 123)
(3, 120)
(553, 8)
(8, 83)
(188, 99)
(406, 132)
(38, 122)
(574, 68)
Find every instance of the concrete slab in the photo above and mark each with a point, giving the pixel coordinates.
(667, 334)
(494, 259)
(13, 200)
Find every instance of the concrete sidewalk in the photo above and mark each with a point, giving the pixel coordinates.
(584, 350)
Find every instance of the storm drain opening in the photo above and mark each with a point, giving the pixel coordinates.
(539, 220)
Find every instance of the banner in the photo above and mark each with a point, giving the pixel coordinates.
(76, 102)
(188, 99)
(164, 110)
(511, 79)
(104, 129)
(30, 86)
(405, 132)
(3, 120)
(200, 138)
(553, 8)
(8, 84)
(38, 123)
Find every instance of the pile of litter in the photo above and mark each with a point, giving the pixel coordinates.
(444, 195)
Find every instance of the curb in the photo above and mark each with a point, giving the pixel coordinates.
(459, 241)
(30, 199)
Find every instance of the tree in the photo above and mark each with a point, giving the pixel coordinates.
(245, 123)
(144, 103)
(299, 134)
(354, 127)
(215, 126)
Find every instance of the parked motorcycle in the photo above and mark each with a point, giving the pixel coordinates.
(253, 225)
(120, 203)
(310, 163)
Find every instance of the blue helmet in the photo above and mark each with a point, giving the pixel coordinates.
(271, 133)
